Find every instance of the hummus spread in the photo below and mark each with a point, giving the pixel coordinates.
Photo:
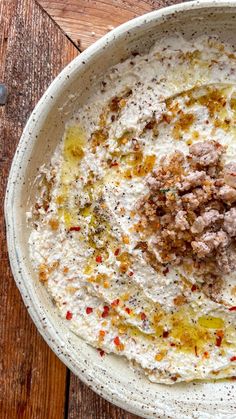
(134, 226)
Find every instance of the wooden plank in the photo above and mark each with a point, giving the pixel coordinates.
(85, 404)
(86, 21)
(32, 52)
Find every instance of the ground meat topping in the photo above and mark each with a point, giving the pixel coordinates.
(193, 179)
(189, 210)
(230, 174)
(205, 220)
(206, 153)
(227, 194)
(230, 222)
(181, 221)
(209, 242)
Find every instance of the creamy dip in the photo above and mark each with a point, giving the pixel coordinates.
(85, 240)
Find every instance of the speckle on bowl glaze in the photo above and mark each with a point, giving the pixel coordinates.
(109, 376)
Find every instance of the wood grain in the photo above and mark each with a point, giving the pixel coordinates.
(32, 52)
(85, 21)
(85, 404)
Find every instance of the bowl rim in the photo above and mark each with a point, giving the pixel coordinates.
(45, 100)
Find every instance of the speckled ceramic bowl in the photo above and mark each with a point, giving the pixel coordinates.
(110, 376)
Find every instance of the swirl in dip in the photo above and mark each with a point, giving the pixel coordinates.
(134, 227)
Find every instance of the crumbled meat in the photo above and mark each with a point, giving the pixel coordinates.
(230, 222)
(206, 153)
(200, 248)
(209, 242)
(189, 212)
(205, 220)
(226, 260)
(153, 183)
(230, 174)
(191, 201)
(149, 211)
(227, 194)
(195, 199)
(198, 225)
(211, 217)
(192, 180)
(180, 220)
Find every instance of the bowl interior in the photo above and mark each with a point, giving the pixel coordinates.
(109, 376)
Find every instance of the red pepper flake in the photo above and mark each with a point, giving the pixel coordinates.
(195, 350)
(115, 302)
(165, 334)
(233, 358)
(69, 315)
(218, 341)
(194, 287)
(76, 228)
(127, 309)
(143, 316)
(114, 163)
(99, 259)
(89, 310)
(220, 333)
(102, 353)
(232, 308)
(116, 252)
(172, 344)
(105, 311)
(130, 273)
(117, 341)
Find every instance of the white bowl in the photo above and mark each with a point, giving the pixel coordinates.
(109, 376)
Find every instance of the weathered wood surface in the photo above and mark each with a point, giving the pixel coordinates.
(85, 21)
(34, 383)
(85, 404)
(32, 52)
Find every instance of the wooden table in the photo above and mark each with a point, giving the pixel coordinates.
(37, 39)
